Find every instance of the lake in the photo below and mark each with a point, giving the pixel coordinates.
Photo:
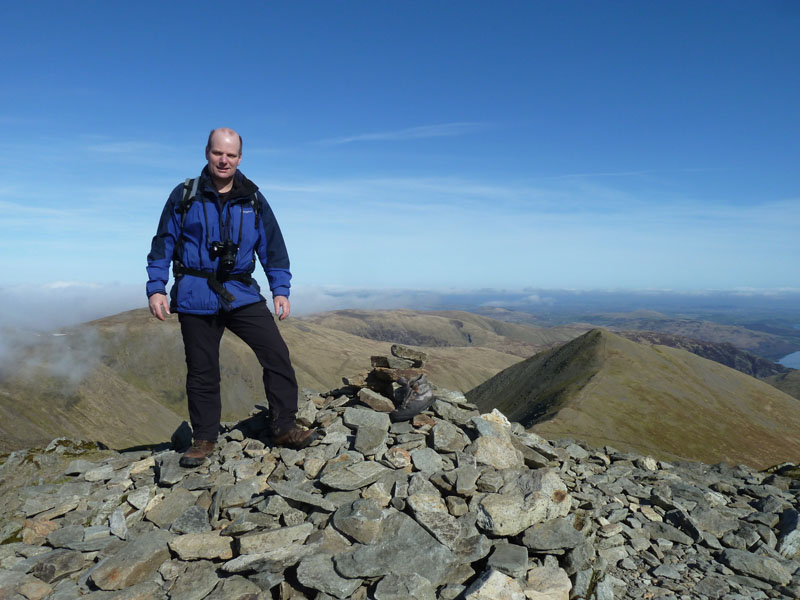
(791, 360)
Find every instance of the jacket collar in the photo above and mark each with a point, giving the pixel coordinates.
(242, 188)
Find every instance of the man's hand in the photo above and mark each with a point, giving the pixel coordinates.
(282, 308)
(159, 306)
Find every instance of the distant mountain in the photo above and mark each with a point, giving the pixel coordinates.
(455, 329)
(724, 353)
(607, 390)
(767, 345)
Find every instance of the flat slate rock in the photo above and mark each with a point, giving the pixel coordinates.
(404, 549)
(354, 476)
(136, 561)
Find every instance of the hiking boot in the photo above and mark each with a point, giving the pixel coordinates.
(199, 451)
(295, 438)
(412, 398)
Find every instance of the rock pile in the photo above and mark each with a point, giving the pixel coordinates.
(452, 504)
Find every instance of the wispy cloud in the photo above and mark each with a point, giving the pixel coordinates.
(411, 133)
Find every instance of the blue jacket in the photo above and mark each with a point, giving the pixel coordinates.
(209, 220)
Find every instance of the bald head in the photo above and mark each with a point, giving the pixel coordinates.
(223, 153)
(226, 132)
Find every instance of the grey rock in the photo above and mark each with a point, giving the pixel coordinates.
(241, 492)
(404, 549)
(266, 580)
(134, 562)
(176, 502)
(717, 522)
(234, 587)
(497, 452)
(430, 511)
(604, 589)
(712, 586)
(755, 565)
(667, 571)
(492, 585)
(274, 561)
(789, 533)
(417, 357)
(446, 437)
(369, 440)
(391, 362)
(139, 498)
(101, 473)
(354, 476)
(668, 532)
(375, 401)
(317, 572)
(193, 520)
(199, 579)
(403, 587)
(168, 470)
(79, 467)
(193, 546)
(298, 495)
(355, 417)
(454, 414)
(490, 481)
(266, 541)
(510, 559)
(117, 524)
(512, 513)
(579, 558)
(361, 520)
(306, 413)
(426, 460)
(65, 537)
(576, 452)
(56, 565)
(466, 479)
(555, 534)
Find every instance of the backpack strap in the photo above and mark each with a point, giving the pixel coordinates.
(189, 193)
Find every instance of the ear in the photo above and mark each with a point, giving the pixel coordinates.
(207, 152)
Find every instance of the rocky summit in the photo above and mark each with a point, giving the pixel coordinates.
(453, 504)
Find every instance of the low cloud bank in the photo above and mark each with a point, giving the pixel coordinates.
(50, 306)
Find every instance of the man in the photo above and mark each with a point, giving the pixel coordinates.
(212, 237)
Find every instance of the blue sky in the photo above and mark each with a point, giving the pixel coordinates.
(413, 145)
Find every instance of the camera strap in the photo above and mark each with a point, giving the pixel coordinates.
(213, 280)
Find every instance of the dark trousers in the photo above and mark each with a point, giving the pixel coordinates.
(255, 325)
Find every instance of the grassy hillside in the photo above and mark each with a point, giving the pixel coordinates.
(605, 389)
(120, 380)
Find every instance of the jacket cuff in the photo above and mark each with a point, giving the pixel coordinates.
(280, 291)
(150, 292)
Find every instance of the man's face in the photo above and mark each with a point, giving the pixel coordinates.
(223, 155)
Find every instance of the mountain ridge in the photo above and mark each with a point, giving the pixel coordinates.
(605, 389)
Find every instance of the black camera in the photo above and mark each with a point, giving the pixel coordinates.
(226, 252)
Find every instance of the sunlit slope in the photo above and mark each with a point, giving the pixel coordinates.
(101, 407)
(605, 389)
(121, 379)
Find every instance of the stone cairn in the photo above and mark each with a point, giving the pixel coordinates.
(451, 505)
